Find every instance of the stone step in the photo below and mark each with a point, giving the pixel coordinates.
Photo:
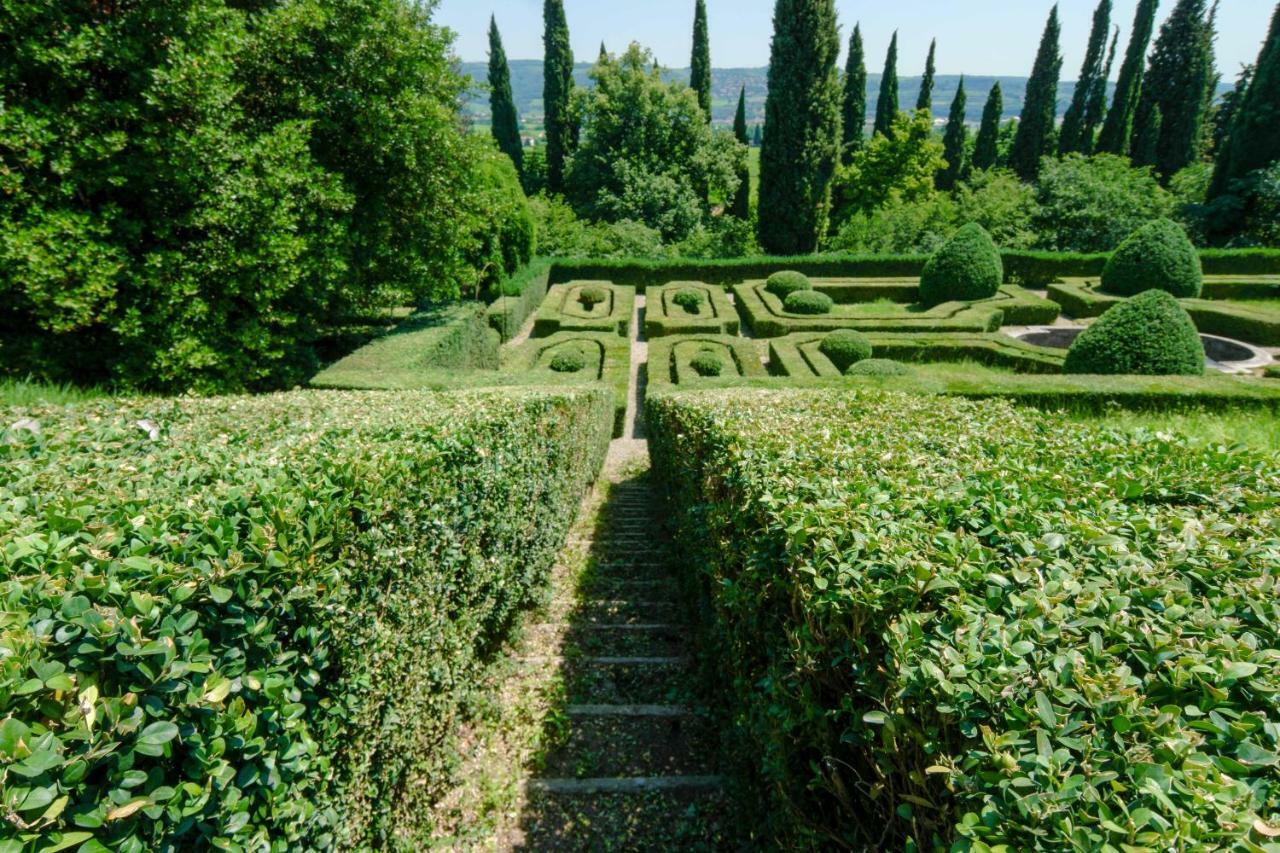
(640, 813)
(605, 660)
(627, 711)
(625, 785)
(668, 642)
(614, 746)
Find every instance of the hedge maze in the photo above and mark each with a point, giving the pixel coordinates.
(800, 356)
(695, 359)
(586, 306)
(576, 358)
(689, 308)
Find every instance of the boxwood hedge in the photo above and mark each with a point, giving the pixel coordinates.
(966, 269)
(253, 623)
(1148, 335)
(1158, 256)
(932, 622)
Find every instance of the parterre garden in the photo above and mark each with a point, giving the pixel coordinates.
(940, 600)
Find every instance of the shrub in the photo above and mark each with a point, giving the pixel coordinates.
(707, 363)
(1158, 256)
(1034, 625)
(593, 296)
(808, 302)
(568, 361)
(966, 269)
(690, 300)
(783, 284)
(845, 347)
(878, 367)
(266, 615)
(1149, 335)
(1090, 204)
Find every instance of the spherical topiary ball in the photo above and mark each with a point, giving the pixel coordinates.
(592, 296)
(967, 268)
(690, 300)
(569, 361)
(809, 302)
(783, 284)
(844, 348)
(1158, 256)
(878, 367)
(1149, 335)
(707, 363)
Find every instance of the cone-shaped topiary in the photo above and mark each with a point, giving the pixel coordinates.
(783, 284)
(809, 302)
(1149, 335)
(1158, 256)
(966, 269)
(878, 367)
(707, 363)
(845, 347)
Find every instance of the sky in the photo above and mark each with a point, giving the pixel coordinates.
(979, 37)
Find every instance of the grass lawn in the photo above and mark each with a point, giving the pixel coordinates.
(25, 392)
(1258, 429)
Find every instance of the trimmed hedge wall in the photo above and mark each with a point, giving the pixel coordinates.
(252, 623)
(800, 356)
(662, 316)
(448, 337)
(609, 361)
(934, 622)
(561, 311)
(670, 360)
(1250, 323)
(524, 292)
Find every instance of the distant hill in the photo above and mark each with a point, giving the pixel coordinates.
(526, 84)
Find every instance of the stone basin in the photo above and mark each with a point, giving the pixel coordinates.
(1221, 354)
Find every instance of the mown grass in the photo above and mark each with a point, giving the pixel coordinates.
(1258, 429)
(28, 392)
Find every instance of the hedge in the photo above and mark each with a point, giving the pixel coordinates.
(934, 622)
(253, 623)
(523, 293)
(449, 337)
(967, 268)
(1253, 324)
(670, 359)
(801, 355)
(662, 316)
(1149, 335)
(608, 361)
(767, 317)
(562, 311)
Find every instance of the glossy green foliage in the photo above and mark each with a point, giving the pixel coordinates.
(966, 269)
(1158, 256)
(1150, 335)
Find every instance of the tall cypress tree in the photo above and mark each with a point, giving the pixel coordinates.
(1118, 128)
(1174, 87)
(1097, 111)
(557, 88)
(1073, 138)
(855, 95)
(700, 73)
(502, 105)
(801, 126)
(1253, 142)
(986, 149)
(887, 103)
(741, 206)
(1226, 111)
(953, 143)
(1039, 112)
(925, 101)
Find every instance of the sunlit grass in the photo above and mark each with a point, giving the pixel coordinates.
(1258, 429)
(26, 392)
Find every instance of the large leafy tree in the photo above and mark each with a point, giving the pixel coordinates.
(1117, 130)
(1252, 142)
(802, 126)
(925, 99)
(1039, 111)
(1076, 136)
(854, 113)
(986, 148)
(502, 105)
(954, 143)
(700, 74)
(557, 92)
(741, 206)
(887, 103)
(1180, 64)
(897, 167)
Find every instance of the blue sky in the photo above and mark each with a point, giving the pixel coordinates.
(987, 37)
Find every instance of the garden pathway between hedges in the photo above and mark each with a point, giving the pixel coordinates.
(597, 741)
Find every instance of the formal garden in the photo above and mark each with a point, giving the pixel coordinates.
(368, 483)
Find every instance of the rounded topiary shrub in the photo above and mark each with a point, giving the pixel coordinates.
(783, 284)
(808, 302)
(878, 367)
(569, 361)
(844, 348)
(707, 363)
(1158, 256)
(967, 268)
(592, 296)
(690, 300)
(1150, 334)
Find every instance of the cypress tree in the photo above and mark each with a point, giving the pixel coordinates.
(604, 54)
(1097, 111)
(1174, 87)
(502, 104)
(925, 101)
(801, 126)
(954, 143)
(1035, 129)
(557, 88)
(1073, 137)
(855, 95)
(741, 206)
(700, 67)
(1118, 128)
(887, 104)
(757, 136)
(986, 149)
(1253, 142)
(1230, 105)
